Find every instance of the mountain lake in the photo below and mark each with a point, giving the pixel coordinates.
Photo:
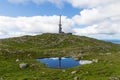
(62, 62)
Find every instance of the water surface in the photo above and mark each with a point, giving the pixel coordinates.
(114, 41)
(62, 62)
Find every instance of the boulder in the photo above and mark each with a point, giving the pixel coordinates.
(76, 78)
(23, 65)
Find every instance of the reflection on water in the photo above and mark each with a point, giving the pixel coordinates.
(62, 62)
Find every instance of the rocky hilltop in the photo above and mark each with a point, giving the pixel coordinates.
(56, 44)
(20, 50)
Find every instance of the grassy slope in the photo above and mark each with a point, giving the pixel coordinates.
(49, 45)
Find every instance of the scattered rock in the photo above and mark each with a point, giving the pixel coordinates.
(95, 60)
(76, 58)
(1, 78)
(114, 78)
(108, 53)
(73, 72)
(101, 54)
(36, 78)
(0, 53)
(87, 72)
(25, 79)
(43, 72)
(29, 55)
(111, 64)
(82, 62)
(23, 65)
(63, 70)
(76, 78)
(33, 66)
(82, 57)
(17, 60)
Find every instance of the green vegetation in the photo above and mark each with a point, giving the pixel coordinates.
(27, 48)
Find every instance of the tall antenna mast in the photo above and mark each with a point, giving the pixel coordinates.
(60, 25)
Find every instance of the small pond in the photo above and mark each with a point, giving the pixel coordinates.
(62, 63)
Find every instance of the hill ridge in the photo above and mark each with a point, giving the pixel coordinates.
(53, 43)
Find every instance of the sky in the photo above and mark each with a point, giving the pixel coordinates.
(93, 18)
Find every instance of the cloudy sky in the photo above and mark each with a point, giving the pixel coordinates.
(93, 18)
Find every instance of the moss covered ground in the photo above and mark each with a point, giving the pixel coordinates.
(28, 48)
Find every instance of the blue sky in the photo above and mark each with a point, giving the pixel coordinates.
(32, 9)
(95, 18)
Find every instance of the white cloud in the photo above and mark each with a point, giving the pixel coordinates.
(100, 18)
(99, 21)
(105, 30)
(90, 3)
(10, 26)
(90, 16)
